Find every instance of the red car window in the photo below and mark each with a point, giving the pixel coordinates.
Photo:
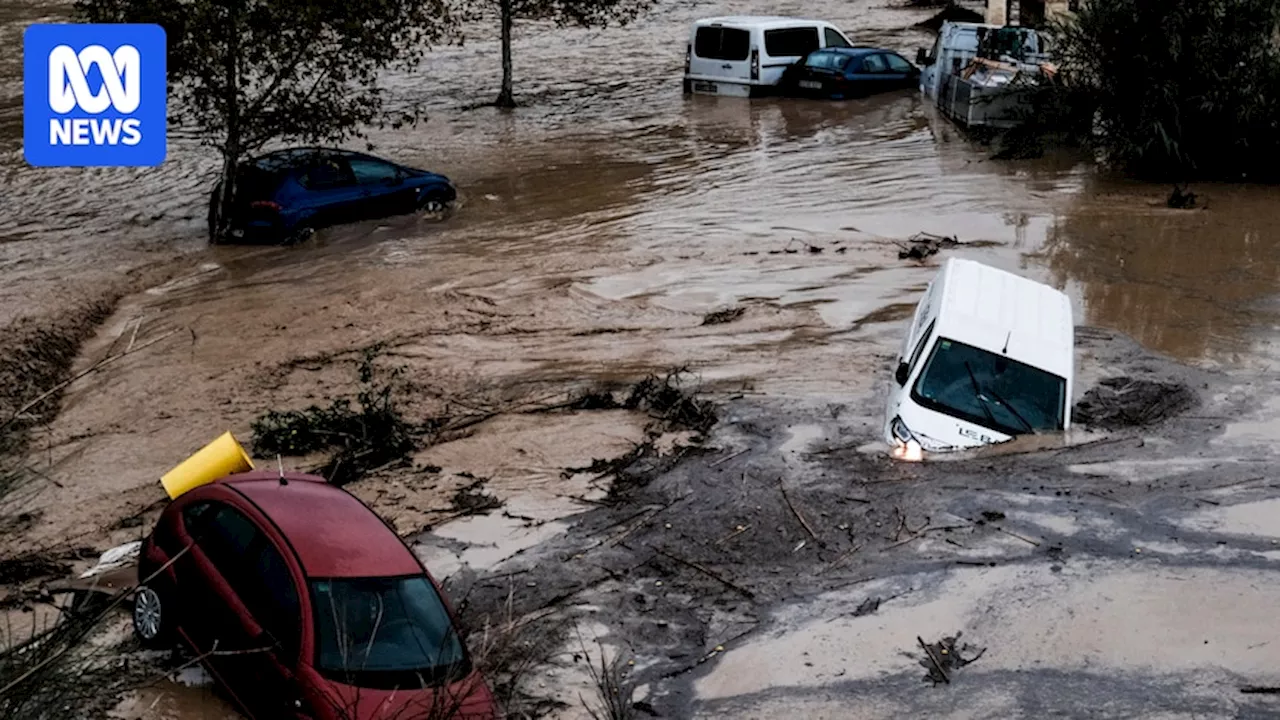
(254, 568)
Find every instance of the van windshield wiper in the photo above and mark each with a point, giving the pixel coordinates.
(977, 393)
(1011, 410)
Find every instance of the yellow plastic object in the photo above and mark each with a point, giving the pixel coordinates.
(218, 459)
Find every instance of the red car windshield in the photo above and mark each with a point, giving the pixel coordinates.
(385, 633)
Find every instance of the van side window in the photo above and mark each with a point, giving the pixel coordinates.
(790, 42)
(834, 39)
(721, 43)
(924, 340)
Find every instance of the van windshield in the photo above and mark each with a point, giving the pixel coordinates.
(990, 390)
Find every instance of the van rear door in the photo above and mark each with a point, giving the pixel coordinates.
(721, 54)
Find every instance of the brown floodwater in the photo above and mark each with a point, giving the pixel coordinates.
(609, 157)
(598, 224)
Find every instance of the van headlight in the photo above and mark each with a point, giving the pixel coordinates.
(905, 445)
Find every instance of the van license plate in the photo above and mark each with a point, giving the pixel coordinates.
(707, 87)
(811, 84)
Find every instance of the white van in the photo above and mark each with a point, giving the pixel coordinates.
(746, 56)
(988, 356)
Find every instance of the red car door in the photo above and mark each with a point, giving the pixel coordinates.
(226, 596)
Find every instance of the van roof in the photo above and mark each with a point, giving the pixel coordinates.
(758, 20)
(1005, 313)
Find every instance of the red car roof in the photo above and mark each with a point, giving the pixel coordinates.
(333, 533)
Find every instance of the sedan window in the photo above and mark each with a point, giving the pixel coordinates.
(826, 61)
(368, 171)
(385, 633)
(898, 64)
(874, 64)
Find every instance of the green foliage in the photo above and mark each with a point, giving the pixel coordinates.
(247, 72)
(362, 436)
(1181, 88)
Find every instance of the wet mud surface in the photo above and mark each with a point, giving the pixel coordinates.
(783, 566)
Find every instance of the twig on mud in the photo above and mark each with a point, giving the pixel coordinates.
(1260, 690)
(132, 338)
(840, 560)
(709, 573)
(654, 513)
(87, 371)
(1016, 535)
(937, 664)
(724, 460)
(741, 529)
(796, 512)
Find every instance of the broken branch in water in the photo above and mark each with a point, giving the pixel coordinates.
(709, 573)
(796, 512)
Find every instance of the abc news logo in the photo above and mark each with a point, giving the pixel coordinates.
(94, 95)
(69, 88)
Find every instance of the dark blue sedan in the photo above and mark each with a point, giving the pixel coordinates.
(840, 73)
(286, 195)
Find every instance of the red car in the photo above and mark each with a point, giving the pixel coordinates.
(304, 604)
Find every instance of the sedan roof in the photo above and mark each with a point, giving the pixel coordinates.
(333, 534)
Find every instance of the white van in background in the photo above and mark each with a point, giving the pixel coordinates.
(988, 356)
(746, 56)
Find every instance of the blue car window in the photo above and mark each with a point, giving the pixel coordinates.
(874, 64)
(369, 171)
(898, 64)
(326, 174)
(826, 61)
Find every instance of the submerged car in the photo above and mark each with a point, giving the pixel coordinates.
(286, 195)
(988, 356)
(841, 73)
(303, 604)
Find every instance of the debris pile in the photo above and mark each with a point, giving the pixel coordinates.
(944, 657)
(1122, 402)
(923, 245)
(368, 434)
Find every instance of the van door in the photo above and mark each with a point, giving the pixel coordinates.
(783, 47)
(719, 54)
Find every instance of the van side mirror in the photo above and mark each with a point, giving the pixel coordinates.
(902, 373)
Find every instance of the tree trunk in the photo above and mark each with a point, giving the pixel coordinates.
(220, 220)
(506, 98)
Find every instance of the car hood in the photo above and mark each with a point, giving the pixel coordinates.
(466, 699)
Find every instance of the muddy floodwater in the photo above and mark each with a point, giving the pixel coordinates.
(599, 224)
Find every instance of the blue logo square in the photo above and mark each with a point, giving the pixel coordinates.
(94, 95)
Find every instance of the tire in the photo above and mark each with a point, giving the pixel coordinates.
(153, 612)
(435, 201)
(300, 234)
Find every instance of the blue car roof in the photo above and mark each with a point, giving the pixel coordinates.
(290, 157)
(855, 51)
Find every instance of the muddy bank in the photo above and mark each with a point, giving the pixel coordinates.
(793, 560)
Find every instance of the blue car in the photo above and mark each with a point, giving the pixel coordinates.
(840, 73)
(284, 196)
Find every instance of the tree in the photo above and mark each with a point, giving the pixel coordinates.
(582, 13)
(1179, 88)
(245, 73)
